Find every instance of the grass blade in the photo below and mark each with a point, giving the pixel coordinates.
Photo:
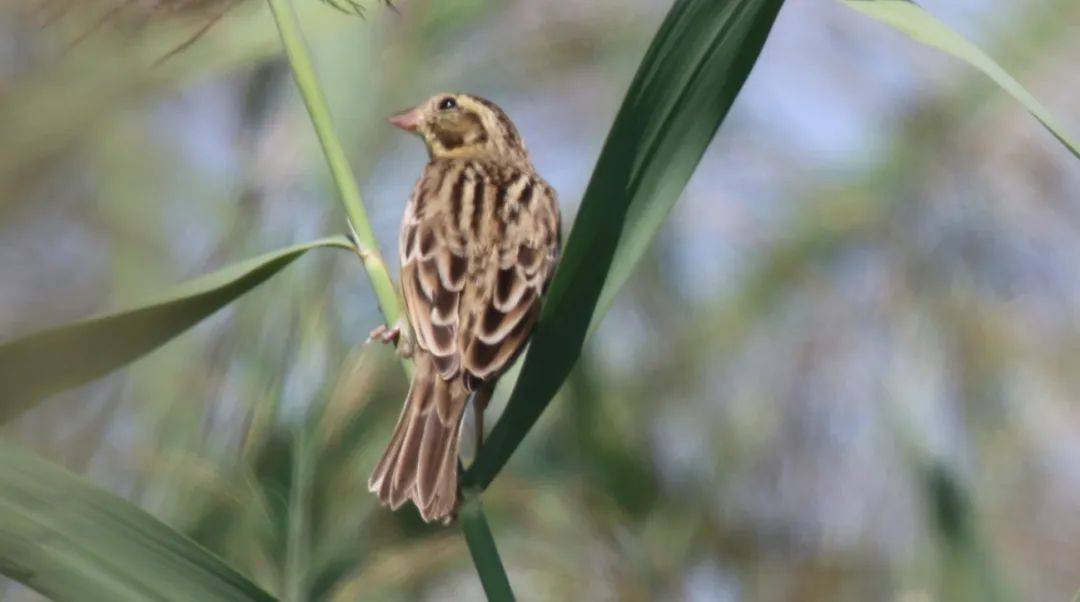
(924, 28)
(685, 85)
(72, 541)
(46, 362)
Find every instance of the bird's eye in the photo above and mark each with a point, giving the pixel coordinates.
(447, 103)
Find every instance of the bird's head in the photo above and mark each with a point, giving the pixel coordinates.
(463, 126)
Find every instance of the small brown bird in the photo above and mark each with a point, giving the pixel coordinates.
(479, 243)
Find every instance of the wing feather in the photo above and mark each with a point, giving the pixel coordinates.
(474, 268)
(506, 302)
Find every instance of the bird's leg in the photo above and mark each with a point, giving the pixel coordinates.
(480, 403)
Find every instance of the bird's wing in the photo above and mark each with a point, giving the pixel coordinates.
(434, 266)
(477, 253)
(501, 303)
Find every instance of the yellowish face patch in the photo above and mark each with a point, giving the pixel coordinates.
(463, 126)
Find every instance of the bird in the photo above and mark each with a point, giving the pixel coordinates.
(479, 243)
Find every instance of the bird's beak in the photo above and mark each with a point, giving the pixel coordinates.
(408, 120)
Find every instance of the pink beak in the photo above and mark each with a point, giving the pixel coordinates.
(408, 120)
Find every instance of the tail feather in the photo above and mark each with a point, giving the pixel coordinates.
(445, 492)
(429, 461)
(382, 477)
(403, 476)
(421, 461)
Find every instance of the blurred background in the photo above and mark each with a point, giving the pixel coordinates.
(847, 370)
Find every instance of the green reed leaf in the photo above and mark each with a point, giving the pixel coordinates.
(59, 358)
(70, 540)
(925, 28)
(686, 83)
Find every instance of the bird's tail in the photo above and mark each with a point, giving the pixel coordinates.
(421, 461)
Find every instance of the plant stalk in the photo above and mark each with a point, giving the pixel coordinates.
(483, 551)
(473, 523)
(304, 74)
(298, 541)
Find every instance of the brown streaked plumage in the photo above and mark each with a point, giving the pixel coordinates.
(479, 243)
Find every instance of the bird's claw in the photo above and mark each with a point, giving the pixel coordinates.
(397, 335)
(385, 334)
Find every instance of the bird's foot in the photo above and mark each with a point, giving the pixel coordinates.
(385, 334)
(396, 335)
